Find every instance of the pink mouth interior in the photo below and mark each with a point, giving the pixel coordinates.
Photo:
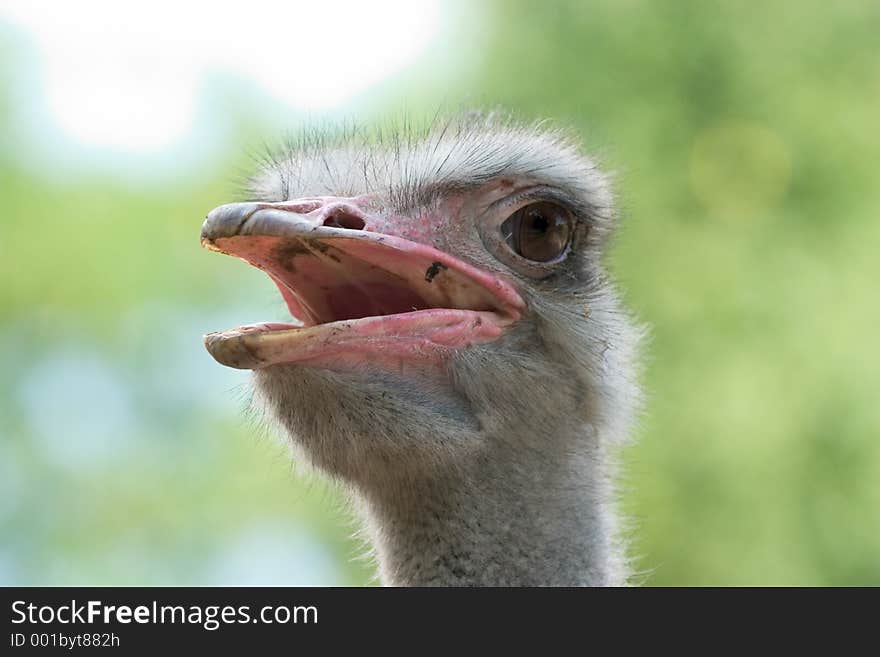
(330, 280)
(349, 301)
(366, 299)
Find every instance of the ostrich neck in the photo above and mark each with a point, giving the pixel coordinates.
(508, 517)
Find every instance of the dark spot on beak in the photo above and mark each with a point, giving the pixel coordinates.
(433, 270)
(326, 250)
(286, 252)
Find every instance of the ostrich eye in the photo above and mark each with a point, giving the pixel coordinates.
(539, 232)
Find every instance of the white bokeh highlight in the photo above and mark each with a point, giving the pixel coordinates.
(127, 75)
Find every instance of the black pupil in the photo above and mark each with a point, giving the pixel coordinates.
(539, 223)
(539, 232)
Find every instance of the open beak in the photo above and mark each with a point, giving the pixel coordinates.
(356, 296)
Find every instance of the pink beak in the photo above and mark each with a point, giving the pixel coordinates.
(335, 272)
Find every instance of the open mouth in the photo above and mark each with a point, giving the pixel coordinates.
(356, 296)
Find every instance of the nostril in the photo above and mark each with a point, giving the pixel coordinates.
(344, 220)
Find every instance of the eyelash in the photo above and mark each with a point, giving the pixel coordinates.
(540, 194)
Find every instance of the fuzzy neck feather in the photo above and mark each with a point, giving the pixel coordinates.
(509, 517)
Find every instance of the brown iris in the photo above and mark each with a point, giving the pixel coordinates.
(539, 231)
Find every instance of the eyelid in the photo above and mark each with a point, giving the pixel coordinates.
(535, 194)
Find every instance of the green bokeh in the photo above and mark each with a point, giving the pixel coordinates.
(745, 141)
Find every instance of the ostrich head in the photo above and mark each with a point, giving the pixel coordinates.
(457, 355)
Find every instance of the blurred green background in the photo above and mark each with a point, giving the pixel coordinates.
(745, 141)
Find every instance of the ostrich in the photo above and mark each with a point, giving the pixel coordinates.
(458, 357)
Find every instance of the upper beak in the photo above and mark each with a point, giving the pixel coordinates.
(238, 219)
(301, 245)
